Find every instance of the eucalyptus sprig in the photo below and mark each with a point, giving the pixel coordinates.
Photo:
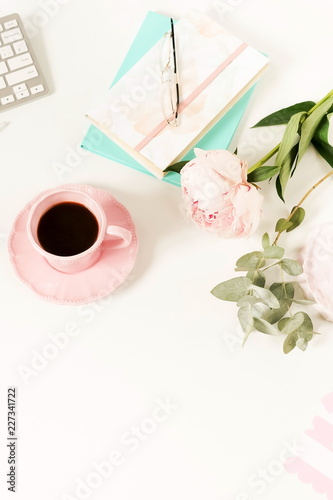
(267, 307)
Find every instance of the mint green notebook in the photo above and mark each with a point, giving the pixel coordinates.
(218, 137)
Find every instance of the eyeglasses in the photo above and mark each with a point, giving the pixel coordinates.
(170, 97)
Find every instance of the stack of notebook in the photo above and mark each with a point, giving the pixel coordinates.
(216, 73)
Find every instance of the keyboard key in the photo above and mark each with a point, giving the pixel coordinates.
(1, 28)
(19, 88)
(37, 89)
(11, 35)
(19, 61)
(23, 94)
(6, 52)
(10, 24)
(3, 68)
(2, 83)
(8, 99)
(20, 47)
(21, 75)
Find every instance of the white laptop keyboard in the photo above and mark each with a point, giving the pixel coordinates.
(21, 79)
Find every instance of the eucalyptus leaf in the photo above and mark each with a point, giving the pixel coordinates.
(257, 277)
(274, 252)
(289, 137)
(282, 225)
(247, 300)
(176, 167)
(233, 289)
(263, 326)
(283, 291)
(307, 325)
(250, 261)
(303, 302)
(246, 320)
(265, 241)
(302, 344)
(266, 296)
(289, 343)
(296, 219)
(257, 310)
(283, 116)
(293, 323)
(262, 173)
(291, 267)
(282, 323)
(274, 315)
(310, 125)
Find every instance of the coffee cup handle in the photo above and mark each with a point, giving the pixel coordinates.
(121, 233)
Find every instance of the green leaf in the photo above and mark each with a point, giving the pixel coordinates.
(274, 252)
(303, 302)
(246, 321)
(232, 289)
(247, 300)
(283, 116)
(289, 343)
(176, 167)
(250, 261)
(257, 277)
(310, 125)
(321, 132)
(282, 323)
(282, 225)
(263, 326)
(286, 171)
(307, 325)
(274, 315)
(301, 343)
(266, 296)
(291, 267)
(324, 149)
(279, 188)
(293, 323)
(262, 173)
(265, 241)
(283, 291)
(289, 137)
(296, 219)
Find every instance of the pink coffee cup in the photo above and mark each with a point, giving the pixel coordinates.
(69, 220)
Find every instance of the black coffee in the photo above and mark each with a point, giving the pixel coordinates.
(67, 228)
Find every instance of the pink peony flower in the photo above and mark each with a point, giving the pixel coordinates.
(217, 196)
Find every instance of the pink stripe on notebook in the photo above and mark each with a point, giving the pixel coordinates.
(192, 96)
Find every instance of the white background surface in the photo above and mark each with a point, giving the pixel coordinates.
(161, 335)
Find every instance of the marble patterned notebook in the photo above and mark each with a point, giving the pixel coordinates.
(215, 69)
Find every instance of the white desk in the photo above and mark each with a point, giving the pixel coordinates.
(162, 336)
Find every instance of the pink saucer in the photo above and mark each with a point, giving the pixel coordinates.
(91, 284)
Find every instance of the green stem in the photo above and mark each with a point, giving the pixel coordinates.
(302, 200)
(261, 162)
